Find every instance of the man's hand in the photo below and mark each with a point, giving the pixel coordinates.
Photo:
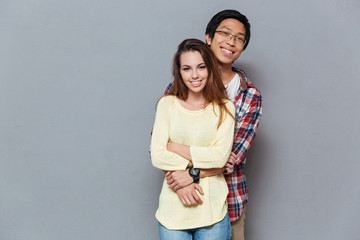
(231, 161)
(189, 196)
(178, 179)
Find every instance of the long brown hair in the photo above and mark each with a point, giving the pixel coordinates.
(214, 90)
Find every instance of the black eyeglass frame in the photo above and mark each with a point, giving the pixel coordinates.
(230, 36)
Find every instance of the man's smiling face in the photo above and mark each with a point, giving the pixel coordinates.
(227, 48)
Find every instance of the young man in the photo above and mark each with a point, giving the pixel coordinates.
(228, 34)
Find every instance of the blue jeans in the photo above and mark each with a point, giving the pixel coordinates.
(217, 231)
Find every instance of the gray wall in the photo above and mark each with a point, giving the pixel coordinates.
(79, 81)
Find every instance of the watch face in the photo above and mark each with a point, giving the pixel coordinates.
(194, 171)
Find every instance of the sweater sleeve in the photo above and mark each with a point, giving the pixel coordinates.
(162, 158)
(217, 153)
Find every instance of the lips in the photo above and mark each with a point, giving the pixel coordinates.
(226, 51)
(196, 83)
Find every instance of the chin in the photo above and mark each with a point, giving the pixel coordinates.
(226, 61)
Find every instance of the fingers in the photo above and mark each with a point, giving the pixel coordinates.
(231, 161)
(168, 176)
(197, 198)
(185, 200)
(174, 186)
(189, 197)
(197, 187)
(170, 180)
(229, 165)
(179, 179)
(189, 200)
(193, 201)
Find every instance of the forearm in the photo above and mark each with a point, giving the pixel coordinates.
(180, 149)
(229, 166)
(179, 179)
(210, 172)
(215, 171)
(184, 151)
(166, 160)
(246, 128)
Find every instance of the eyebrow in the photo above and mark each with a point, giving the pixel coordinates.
(184, 65)
(227, 28)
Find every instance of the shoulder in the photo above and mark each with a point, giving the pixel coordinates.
(251, 89)
(166, 100)
(229, 104)
(165, 105)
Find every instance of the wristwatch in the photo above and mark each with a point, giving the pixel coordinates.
(195, 174)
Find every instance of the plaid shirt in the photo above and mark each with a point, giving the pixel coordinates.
(248, 111)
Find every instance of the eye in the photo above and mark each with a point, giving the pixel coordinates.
(225, 33)
(240, 39)
(186, 69)
(202, 67)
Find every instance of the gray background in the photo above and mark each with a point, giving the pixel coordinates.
(79, 81)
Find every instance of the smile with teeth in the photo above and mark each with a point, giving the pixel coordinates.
(227, 51)
(196, 83)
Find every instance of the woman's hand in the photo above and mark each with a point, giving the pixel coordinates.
(189, 196)
(178, 179)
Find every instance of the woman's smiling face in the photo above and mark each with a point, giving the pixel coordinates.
(193, 71)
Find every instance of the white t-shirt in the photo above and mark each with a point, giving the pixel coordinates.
(232, 87)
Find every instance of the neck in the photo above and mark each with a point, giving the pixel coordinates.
(226, 72)
(196, 99)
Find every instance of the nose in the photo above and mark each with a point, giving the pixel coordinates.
(195, 74)
(231, 41)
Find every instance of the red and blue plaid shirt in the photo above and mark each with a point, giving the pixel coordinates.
(248, 111)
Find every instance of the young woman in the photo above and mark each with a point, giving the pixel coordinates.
(193, 129)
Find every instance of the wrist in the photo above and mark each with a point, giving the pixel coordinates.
(195, 174)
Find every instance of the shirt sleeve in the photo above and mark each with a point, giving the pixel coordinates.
(162, 158)
(217, 153)
(168, 88)
(246, 128)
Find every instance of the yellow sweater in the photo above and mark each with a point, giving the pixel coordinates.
(209, 147)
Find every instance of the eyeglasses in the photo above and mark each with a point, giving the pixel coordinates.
(230, 36)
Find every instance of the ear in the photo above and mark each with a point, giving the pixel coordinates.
(208, 39)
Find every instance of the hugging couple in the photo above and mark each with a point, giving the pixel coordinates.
(205, 123)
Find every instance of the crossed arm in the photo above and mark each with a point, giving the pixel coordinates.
(245, 132)
(182, 183)
(172, 157)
